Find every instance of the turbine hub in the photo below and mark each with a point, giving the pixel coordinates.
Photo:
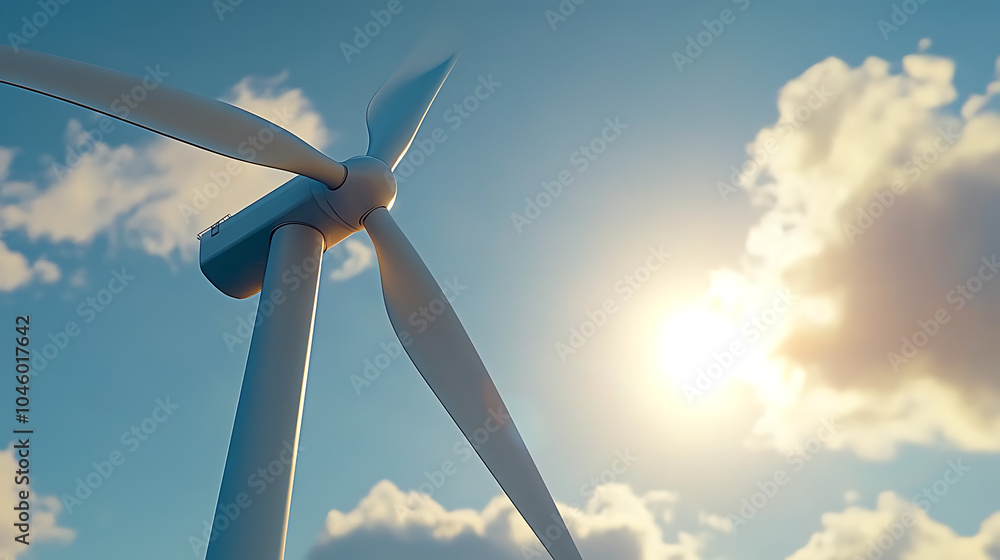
(369, 184)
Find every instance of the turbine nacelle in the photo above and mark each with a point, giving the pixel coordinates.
(234, 251)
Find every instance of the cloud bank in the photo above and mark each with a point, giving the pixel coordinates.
(880, 202)
(615, 524)
(897, 530)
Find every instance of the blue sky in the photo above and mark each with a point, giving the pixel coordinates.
(622, 393)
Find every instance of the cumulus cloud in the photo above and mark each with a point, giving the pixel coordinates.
(880, 210)
(896, 530)
(18, 271)
(615, 524)
(977, 101)
(155, 195)
(354, 257)
(44, 510)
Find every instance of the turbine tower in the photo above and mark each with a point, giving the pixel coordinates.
(274, 247)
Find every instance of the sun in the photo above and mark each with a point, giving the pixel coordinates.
(691, 340)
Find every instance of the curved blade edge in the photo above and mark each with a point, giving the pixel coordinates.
(444, 355)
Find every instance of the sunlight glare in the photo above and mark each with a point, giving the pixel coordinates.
(689, 340)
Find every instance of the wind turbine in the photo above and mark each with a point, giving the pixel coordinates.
(281, 237)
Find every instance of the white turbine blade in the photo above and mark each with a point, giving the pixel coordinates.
(199, 121)
(399, 106)
(449, 363)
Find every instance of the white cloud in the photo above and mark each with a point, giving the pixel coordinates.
(6, 157)
(719, 523)
(867, 263)
(18, 271)
(358, 258)
(976, 102)
(615, 524)
(896, 530)
(44, 510)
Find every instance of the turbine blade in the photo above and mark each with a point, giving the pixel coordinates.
(399, 106)
(449, 363)
(199, 121)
